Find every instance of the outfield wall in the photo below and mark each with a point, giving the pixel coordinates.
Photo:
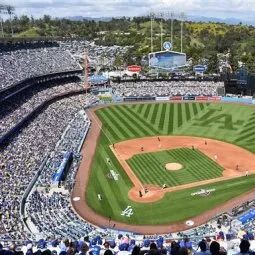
(189, 98)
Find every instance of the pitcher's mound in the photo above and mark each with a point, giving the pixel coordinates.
(173, 166)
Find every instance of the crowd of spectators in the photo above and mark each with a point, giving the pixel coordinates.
(15, 109)
(166, 88)
(53, 216)
(98, 55)
(51, 212)
(21, 158)
(71, 141)
(23, 63)
(237, 210)
(125, 244)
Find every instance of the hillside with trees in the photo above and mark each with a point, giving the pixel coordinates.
(202, 42)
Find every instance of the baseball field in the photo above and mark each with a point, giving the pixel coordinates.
(138, 141)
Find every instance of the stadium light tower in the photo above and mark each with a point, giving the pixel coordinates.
(2, 9)
(172, 15)
(10, 11)
(2, 28)
(152, 15)
(6, 9)
(182, 17)
(161, 29)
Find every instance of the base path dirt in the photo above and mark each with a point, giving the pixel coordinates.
(228, 157)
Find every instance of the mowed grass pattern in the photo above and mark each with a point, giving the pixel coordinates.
(150, 167)
(122, 122)
(227, 122)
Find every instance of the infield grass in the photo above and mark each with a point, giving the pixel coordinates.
(150, 167)
(227, 122)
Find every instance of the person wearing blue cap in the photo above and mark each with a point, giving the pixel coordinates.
(146, 244)
(132, 245)
(123, 249)
(41, 244)
(112, 244)
(94, 248)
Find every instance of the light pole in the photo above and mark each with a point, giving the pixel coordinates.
(172, 15)
(152, 19)
(182, 16)
(161, 30)
(6, 9)
(2, 28)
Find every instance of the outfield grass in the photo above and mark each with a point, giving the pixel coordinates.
(150, 167)
(227, 122)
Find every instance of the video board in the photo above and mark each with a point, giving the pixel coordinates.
(167, 59)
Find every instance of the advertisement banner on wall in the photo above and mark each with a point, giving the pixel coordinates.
(215, 98)
(162, 98)
(176, 98)
(189, 98)
(202, 98)
(130, 99)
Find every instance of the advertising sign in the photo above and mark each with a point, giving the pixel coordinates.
(201, 98)
(175, 98)
(189, 98)
(199, 68)
(134, 68)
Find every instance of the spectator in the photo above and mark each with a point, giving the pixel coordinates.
(174, 248)
(136, 250)
(215, 248)
(244, 248)
(85, 250)
(108, 252)
(183, 251)
(203, 249)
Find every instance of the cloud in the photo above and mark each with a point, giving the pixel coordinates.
(104, 8)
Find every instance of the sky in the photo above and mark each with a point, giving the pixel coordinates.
(239, 9)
